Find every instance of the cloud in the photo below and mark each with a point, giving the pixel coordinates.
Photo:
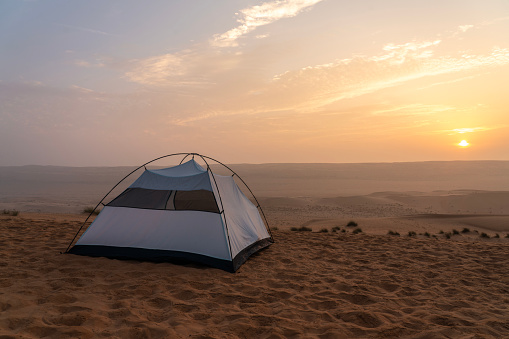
(156, 70)
(414, 110)
(35, 83)
(464, 28)
(469, 77)
(321, 85)
(398, 53)
(256, 16)
(84, 63)
(85, 29)
(196, 67)
(227, 83)
(226, 91)
(82, 89)
(469, 130)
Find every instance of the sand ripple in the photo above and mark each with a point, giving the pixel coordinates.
(313, 285)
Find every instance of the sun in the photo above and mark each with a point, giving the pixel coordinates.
(463, 143)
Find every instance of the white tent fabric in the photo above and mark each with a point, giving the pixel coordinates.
(186, 231)
(239, 211)
(184, 212)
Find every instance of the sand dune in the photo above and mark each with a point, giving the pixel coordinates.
(380, 212)
(68, 189)
(314, 285)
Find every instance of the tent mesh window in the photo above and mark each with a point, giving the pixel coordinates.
(198, 200)
(142, 198)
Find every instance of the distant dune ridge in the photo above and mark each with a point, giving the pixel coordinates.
(67, 189)
(316, 195)
(448, 280)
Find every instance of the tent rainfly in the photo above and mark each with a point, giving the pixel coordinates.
(182, 212)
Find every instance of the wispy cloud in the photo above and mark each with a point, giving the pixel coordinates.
(196, 67)
(466, 130)
(82, 89)
(156, 70)
(414, 109)
(85, 29)
(469, 130)
(256, 16)
(322, 85)
(84, 63)
(228, 74)
(398, 53)
(464, 28)
(440, 83)
(309, 89)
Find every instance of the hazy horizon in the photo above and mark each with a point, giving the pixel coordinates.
(212, 163)
(94, 83)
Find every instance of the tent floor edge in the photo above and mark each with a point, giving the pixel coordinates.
(243, 255)
(152, 255)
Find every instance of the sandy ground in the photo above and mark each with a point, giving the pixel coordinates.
(377, 213)
(446, 281)
(306, 285)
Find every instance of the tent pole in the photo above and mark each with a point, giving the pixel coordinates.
(184, 158)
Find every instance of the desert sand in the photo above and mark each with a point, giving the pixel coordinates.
(446, 281)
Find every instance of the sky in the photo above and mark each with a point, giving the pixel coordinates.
(121, 82)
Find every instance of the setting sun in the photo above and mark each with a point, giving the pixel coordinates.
(464, 143)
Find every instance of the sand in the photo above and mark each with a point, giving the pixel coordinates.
(446, 281)
(307, 285)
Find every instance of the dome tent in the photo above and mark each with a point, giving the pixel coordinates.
(181, 212)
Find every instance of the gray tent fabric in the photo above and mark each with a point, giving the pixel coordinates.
(182, 212)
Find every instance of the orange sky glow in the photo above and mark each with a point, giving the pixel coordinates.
(115, 83)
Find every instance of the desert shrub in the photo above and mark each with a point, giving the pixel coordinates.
(412, 234)
(448, 235)
(10, 212)
(323, 230)
(426, 234)
(351, 223)
(465, 230)
(89, 210)
(484, 235)
(392, 233)
(336, 228)
(455, 232)
(441, 232)
(357, 230)
(343, 231)
(507, 235)
(496, 236)
(301, 229)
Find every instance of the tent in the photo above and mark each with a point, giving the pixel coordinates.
(182, 212)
